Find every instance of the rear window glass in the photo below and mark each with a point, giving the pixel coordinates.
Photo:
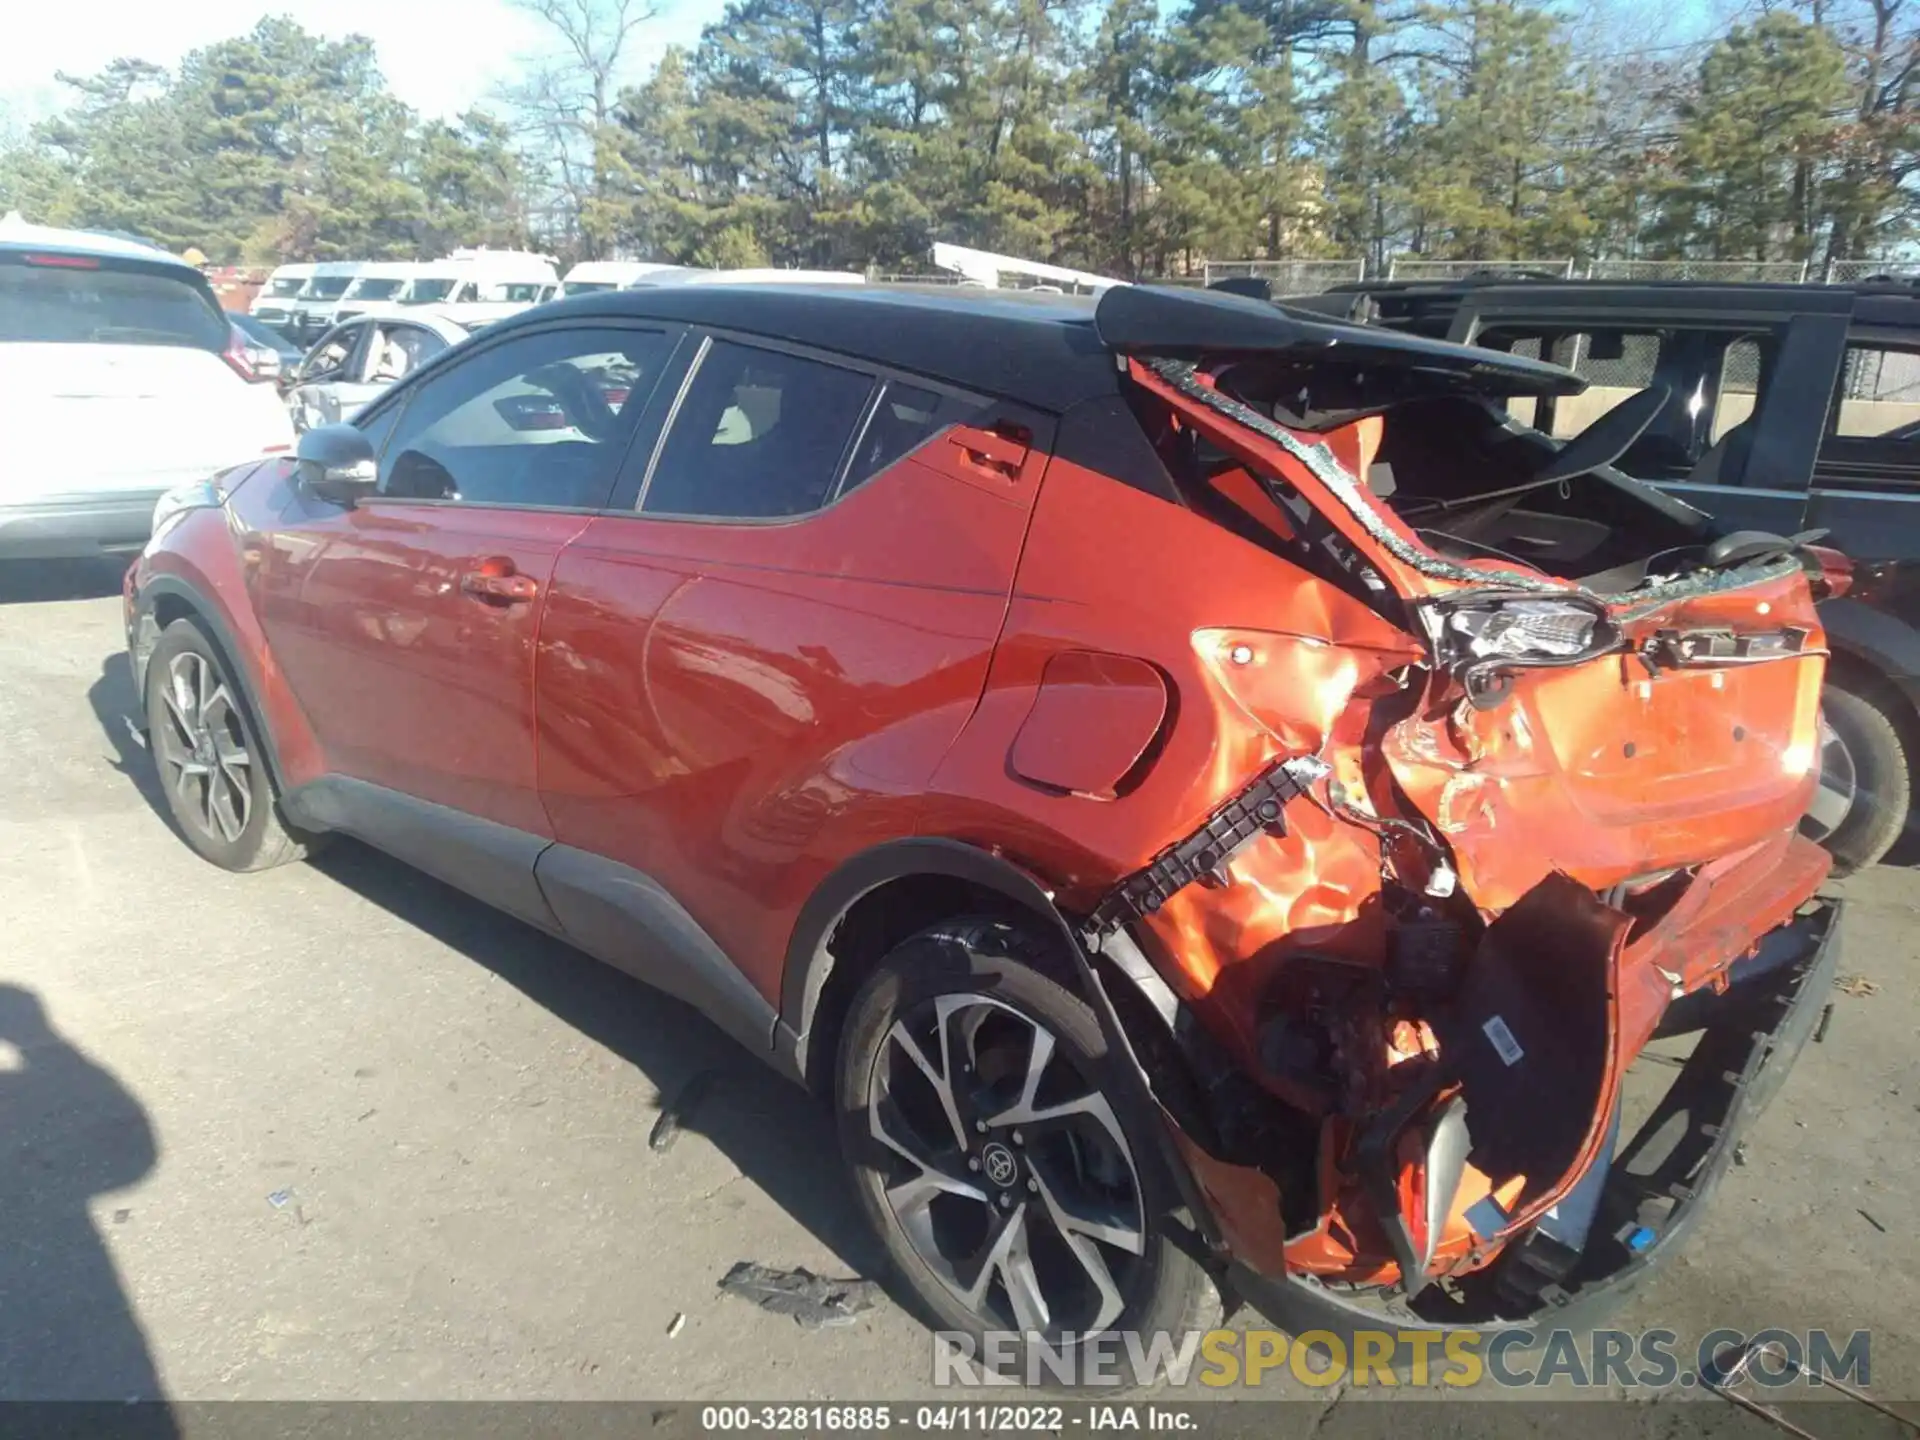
(48, 305)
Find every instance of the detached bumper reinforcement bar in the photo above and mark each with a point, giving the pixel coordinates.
(1203, 855)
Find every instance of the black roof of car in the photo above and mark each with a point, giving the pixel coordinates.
(1049, 351)
(1039, 348)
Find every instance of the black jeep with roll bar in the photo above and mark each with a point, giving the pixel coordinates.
(1785, 409)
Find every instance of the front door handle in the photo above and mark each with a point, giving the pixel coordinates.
(498, 589)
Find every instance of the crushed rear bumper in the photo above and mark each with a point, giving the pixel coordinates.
(1661, 1178)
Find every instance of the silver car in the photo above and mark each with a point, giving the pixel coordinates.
(355, 361)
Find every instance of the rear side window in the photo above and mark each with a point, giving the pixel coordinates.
(58, 305)
(905, 416)
(1879, 393)
(757, 434)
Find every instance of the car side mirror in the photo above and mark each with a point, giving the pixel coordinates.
(337, 463)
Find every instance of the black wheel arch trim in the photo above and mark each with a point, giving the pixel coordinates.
(803, 978)
(809, 963)
(239, 662)
(1878, 641)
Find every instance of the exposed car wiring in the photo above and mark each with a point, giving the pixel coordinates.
(1337, 806)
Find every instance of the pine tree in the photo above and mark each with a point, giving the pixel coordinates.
(1765, 110)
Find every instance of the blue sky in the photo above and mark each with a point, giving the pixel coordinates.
(440, 55)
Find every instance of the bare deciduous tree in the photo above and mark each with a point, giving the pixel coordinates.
(564, 104)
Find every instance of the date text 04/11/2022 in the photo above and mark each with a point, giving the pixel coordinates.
(978, 1417)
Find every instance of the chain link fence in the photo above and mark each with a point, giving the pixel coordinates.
(1791, 272)
(1412, 267)
(1311, 277)
(1848, 272)
(1289, 277)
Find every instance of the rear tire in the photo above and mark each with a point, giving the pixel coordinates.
(993, 1154)
(212, 764)
(1862, 722)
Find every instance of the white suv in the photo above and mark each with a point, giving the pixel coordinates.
(120, 378)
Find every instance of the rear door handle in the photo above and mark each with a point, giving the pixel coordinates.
(998, 454)
(499, 589)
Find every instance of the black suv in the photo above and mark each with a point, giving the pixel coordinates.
(1784, 409)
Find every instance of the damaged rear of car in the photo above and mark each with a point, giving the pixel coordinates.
(1463, 836)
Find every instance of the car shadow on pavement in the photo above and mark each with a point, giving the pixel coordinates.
(779, 1137)
(69, 1132)
(30, 582)
(114, 703)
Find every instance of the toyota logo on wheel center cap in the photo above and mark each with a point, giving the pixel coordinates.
(998, 1163)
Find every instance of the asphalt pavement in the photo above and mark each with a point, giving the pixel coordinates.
(336, 1131)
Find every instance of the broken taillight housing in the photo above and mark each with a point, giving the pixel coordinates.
(1525, 630)
(1830, 573)
(1482, 639)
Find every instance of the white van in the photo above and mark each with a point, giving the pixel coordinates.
(376, 289)
(314, 306)
(274, 304)
(594, 275)
(478, 287)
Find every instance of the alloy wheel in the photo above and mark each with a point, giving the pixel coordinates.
(1007, 1170)
(1837, 790)
(203, 749)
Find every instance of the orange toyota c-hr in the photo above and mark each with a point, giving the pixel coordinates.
(1096, 745)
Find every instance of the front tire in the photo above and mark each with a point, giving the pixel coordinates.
(212, 765)
(1011, 1188)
